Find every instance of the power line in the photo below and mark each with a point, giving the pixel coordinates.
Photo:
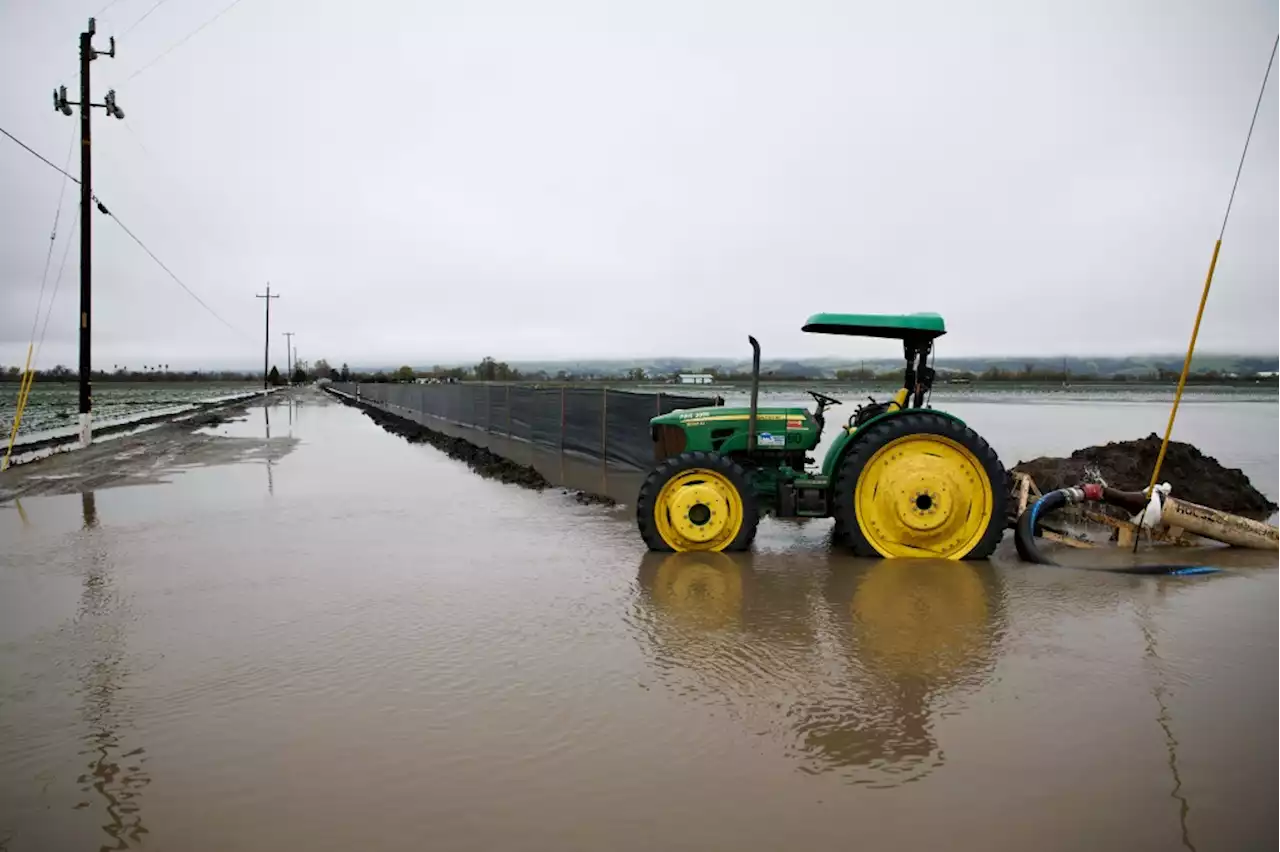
(169, 271)
(136, 140)
(145, 15)
(132, 236)
(39, 156)
(98, 13)
(1252, 122)
(57, 282)
(186, 38)
(53, 237)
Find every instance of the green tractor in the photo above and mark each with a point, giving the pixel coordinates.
(901, 479)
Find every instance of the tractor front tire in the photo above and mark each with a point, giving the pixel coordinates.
(697, 501)
(921, 485)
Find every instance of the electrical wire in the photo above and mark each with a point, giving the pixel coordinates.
(145, 15)
(104, 8)
(53, 235)
(57, 282)
(127, 126)
(169, 271)
(171, 48)
(39, 156)
(1208, 282)
(102, 208)
(1262, 89)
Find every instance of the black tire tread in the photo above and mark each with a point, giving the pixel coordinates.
(659, 476)
(915, 423)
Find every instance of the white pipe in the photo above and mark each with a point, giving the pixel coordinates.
(1219, 526)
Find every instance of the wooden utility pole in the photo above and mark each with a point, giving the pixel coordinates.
(62, 105)
(266, 343)
(288, 356)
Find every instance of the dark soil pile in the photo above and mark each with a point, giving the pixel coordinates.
(1127, 465)
(208, 419)
(585, 498)
(479, 459)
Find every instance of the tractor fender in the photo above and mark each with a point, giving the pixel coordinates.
(846, 440)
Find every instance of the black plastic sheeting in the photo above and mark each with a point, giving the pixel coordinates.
(543, 414)
(596, 423)
(583, 434)
(627, 428)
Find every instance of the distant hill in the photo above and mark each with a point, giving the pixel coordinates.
(1102, 367)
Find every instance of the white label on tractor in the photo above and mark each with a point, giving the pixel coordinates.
(768, 439)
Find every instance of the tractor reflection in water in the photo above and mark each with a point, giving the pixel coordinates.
(847, 666)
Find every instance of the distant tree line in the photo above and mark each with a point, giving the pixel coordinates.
(158, 373)
(162, 373)
(491, 370)
(1040, 375)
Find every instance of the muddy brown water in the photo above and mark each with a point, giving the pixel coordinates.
(356, 643)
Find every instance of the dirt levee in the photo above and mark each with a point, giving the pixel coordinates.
(1127, 465)
(479, 459)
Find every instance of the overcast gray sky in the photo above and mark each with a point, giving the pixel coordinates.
(425, 181)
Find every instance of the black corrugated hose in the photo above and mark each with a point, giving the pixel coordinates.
(1024, 536)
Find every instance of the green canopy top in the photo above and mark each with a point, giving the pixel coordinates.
(921, 327)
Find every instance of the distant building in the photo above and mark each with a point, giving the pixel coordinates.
(695, 378)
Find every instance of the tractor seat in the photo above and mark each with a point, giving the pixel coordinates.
(875, 409)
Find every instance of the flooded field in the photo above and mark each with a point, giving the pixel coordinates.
(55, 405)
(351, 642)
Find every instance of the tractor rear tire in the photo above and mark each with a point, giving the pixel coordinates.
(697, 501)
(921, 485)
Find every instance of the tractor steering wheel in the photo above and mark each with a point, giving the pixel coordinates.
(823, 399)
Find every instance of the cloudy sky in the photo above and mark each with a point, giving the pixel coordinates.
(426, 181)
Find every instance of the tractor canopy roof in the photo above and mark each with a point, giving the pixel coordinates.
(913, 327)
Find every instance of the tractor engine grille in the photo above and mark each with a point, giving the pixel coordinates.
(668, 441)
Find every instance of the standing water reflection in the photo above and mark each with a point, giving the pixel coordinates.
(849, 666)
(114, 775)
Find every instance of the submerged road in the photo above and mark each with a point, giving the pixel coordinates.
(328, 638)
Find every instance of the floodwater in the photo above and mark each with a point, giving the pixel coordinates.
(359, 644)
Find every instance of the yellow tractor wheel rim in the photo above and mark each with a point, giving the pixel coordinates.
(926, 618)
(698, 509)
(923, 496)
(703, 588)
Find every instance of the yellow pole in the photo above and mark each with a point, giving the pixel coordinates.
(1186, 364)
(24, 387)
(26, 392)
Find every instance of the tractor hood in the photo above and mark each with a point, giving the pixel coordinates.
(774, 417)
(725, 430)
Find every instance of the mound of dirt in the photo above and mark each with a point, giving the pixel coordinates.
(479, 459)
(586, 498)
(1127, 465)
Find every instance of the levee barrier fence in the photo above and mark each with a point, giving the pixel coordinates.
(604, 424)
